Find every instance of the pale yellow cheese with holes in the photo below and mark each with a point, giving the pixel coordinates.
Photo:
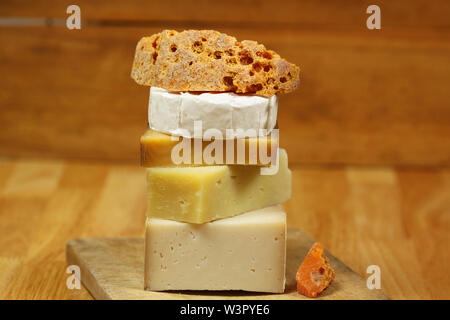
(203, 194)
(245, 252)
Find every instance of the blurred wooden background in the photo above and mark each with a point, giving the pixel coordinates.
(366, 97)
(379, 98)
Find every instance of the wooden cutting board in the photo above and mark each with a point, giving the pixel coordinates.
(114, 269)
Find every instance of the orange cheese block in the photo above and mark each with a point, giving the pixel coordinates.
(315, 273)
(159, 149)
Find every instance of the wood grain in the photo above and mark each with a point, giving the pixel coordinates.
(395, 218)
(365, 98)
(113, 269)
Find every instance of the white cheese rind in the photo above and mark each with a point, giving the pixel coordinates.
(245, 252)
(175, 112)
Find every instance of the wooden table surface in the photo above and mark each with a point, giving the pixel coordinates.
(397, 218)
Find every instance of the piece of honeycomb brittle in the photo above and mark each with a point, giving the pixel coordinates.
(315, 273)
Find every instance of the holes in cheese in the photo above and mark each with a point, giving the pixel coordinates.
(221, 256)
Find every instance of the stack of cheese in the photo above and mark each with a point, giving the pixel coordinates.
(213, 225)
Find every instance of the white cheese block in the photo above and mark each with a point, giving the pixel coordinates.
(245, 252)
(175, 112)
